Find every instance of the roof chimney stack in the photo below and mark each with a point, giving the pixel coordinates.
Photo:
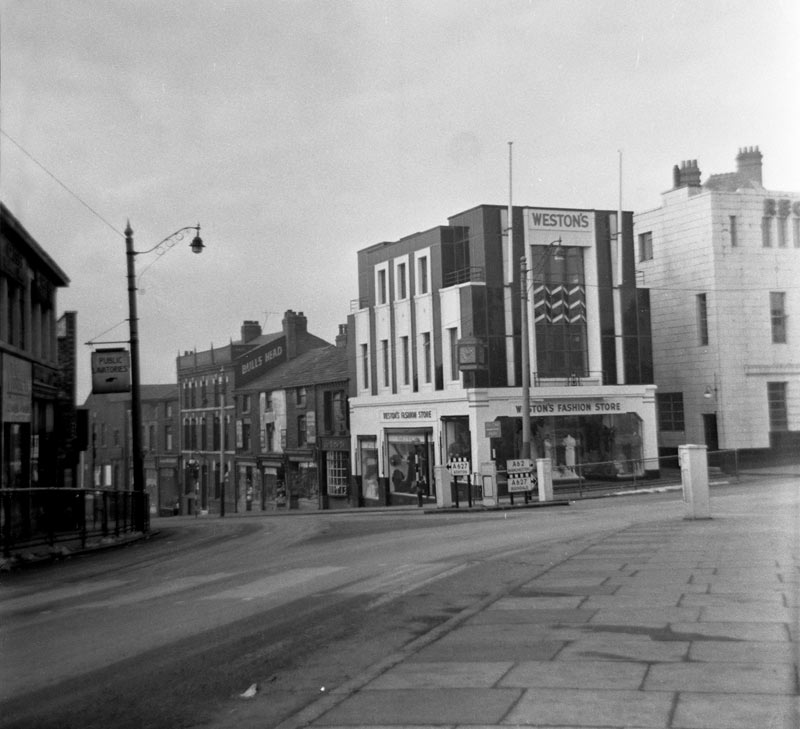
(748, 164)
(341, 337)
(250, 330)
(687, 175)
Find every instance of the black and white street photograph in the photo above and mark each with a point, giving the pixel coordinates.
(399, 364)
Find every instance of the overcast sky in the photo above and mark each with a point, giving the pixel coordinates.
(297, 133)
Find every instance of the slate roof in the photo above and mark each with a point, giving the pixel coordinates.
(315, 367)
(731, 182)
(148, 392)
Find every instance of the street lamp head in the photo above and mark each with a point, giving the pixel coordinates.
(558, 253)
(197, 242)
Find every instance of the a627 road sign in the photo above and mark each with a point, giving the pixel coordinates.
(520, 482)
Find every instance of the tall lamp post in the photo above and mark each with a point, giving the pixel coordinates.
(222, 442)
(139, 520)
(526, 366)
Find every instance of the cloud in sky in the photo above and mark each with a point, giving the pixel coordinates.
(298, 132)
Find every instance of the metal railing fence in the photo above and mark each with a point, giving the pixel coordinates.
(37, 516)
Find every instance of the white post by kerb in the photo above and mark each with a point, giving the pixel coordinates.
(544, 475)
(694, 477)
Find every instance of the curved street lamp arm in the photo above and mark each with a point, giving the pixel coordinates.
(174, 239)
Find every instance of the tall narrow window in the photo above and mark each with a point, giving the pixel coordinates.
(422, 275)
(776, 403)
(777, 310)
(385, 361)
(365, 366)
(402, 282)
(405, 353)
(796, 231)
(381, 293)
(783, 230)
(559, 312)
(426, 353)
(702, 319)
(645, 246)
(302, 435)
(452, 334)
(766, 232)
(733, 232)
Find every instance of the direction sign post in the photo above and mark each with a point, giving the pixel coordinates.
(459, 467)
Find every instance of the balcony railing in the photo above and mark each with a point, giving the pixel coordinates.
(590, 379)
(464, 275)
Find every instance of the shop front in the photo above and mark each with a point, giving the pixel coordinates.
(600, 436)
(396, 464)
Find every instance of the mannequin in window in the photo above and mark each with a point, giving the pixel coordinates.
(569, 444)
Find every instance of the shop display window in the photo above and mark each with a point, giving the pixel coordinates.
(410, 459)
(590, 446)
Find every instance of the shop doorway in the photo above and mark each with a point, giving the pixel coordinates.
(410, 461)
(710, 431)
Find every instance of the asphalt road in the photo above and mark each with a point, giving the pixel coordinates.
(171, 631)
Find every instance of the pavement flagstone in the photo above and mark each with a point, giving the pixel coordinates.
(677, 624)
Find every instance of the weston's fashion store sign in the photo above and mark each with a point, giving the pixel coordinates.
(255, 363)
(576, 407)
(405, 416)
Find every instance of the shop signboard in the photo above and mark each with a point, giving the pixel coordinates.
(578, 406)
(492, 429)
(256, 362)
(17, 390)
(111, 371)
(570, 227)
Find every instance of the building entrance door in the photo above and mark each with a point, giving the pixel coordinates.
(710, 430)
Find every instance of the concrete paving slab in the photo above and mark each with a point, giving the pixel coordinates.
(631, 588)
(635, 601)
(621, 647)
(553, 581)
(749, 613)
(645, 615)
(569, 674)
(582, 708)
(461, 651)
(672, 575)
(528, 617)
(732, 678)
(567, 587)
(436, 675)
(413, 707)
(736, 711)
(743, 651)
(756, 599)
(537, 603)
(728, 584)
(735, 631)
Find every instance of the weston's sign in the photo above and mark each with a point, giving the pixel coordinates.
(256, 362)
(573, 227)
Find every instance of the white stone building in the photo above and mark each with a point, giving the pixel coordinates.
(722, 262)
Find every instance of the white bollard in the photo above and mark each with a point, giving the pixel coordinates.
(488, 476)
(694, 477)
(444, 481)
(544, 475)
